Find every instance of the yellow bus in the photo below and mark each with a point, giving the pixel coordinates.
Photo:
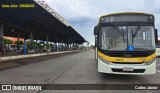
(125, 43)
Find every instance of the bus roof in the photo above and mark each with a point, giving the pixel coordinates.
(125, 13)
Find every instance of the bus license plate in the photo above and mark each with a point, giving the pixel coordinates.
(127, 69)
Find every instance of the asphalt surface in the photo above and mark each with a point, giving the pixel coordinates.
(79, 68)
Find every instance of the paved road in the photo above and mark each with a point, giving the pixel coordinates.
(79, 68)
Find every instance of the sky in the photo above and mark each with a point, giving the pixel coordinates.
(83, 15)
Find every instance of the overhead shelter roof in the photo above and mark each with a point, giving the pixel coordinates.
(36, 20)
(74, 36)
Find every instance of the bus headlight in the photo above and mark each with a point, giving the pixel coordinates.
(107, 62)
(150, 61)
(104, 60)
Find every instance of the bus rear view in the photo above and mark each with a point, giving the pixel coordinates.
(125, 44)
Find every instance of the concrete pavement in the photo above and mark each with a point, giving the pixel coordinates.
(79, 68)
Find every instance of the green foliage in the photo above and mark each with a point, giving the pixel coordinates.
(31, 45)
(20, 42)
(51, 45)
(7, 41)
(39, 45)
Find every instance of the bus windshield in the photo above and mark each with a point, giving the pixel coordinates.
(121, 37)
(157, 45)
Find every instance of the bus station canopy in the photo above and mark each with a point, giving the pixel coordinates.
(37, 21)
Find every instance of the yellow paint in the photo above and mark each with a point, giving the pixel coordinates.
(122, 59)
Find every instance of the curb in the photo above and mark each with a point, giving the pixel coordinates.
(31, 55)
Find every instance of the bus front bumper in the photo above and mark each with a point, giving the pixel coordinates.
(138, 69)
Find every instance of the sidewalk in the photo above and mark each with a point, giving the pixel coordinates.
(19, 60)
(12, 57)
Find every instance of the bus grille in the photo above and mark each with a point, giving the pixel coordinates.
(134, 70)
(128, 54)
(128, 62)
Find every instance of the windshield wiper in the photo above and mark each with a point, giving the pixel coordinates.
(136, 32)
(138, 28)
(132, 36)
(117, 29)
(122, 33)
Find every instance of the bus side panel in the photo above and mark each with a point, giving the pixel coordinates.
(96, 54)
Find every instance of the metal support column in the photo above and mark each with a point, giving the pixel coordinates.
(36, 45)
(56, 45)
(1, 38)
(25, 47)
(67, 47)
(18, 43)
(31, 40)
(73, 46)
(62, 46)
(47, 42)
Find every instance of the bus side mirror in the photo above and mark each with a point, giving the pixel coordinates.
(156, 35)
(96, 30)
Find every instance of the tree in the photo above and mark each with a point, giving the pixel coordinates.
(7, 41)
(31, 45)
(20, 42)
(51, 45)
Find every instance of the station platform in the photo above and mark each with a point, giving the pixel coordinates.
(10, 61)
(12, 57)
